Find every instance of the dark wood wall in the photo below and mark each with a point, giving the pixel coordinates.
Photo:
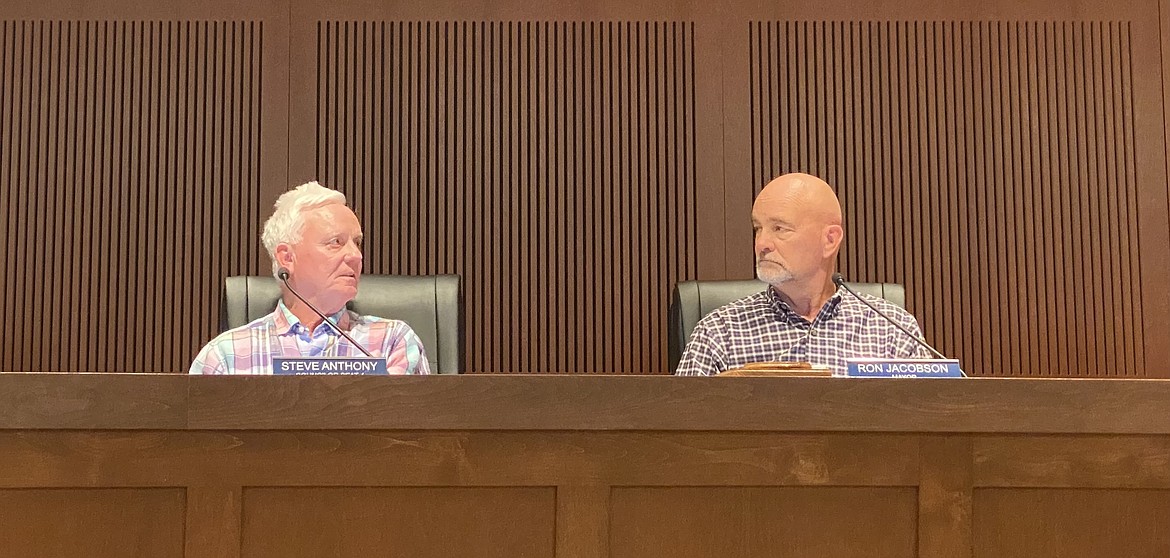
(1006, 161)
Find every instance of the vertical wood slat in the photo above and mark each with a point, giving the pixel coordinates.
(129, 190)
(988, 168)
(1061, 190)
(548, 164)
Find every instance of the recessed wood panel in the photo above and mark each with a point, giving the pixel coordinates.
(551, 165)
(988, 166)
(750, 521)
(1025, 523)
(400, 522)
(92, 523)
(129, 187)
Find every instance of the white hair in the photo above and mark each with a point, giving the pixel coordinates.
(287, 222)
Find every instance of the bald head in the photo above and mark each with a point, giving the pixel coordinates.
(811, 196)
(797, 224)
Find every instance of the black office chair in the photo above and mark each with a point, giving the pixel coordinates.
(692, 300)
(430, 304)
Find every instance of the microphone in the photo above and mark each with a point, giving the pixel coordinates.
(282, 274)
(839, 280)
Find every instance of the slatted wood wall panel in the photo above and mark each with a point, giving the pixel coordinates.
(987, 166)
(551, 165)
(129, 171)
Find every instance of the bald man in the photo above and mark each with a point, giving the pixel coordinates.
(801, 316)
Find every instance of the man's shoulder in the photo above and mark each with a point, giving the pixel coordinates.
(746, 308)
(881, 303)
(895, 312)
(262, 324)
(219, 355)
(372, 322)
(245, 332)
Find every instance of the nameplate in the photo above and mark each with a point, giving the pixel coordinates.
(336, 365)
(902, 368)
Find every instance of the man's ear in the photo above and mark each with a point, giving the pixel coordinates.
(284, 257)
(834, 234)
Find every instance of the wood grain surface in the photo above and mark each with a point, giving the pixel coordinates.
(580, 465)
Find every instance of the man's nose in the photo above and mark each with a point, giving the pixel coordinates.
(763, 246)
(354, 252)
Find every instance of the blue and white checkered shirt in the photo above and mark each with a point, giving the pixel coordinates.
(763, 328)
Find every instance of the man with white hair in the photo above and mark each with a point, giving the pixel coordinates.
(315, 241)
(802, 316)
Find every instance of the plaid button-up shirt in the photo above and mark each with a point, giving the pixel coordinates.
(249, 349)
(763, 328)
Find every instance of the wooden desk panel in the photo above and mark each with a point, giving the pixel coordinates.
(511, 522)
(582, 466)
(94, 522)
(751, 521)
(1030, 522)
(589, 402)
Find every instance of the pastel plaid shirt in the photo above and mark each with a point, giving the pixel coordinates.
(249, 349)
(763, 328)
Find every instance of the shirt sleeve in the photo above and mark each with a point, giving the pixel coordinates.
(405, 353)
(904, 346)
(209, 360)
(704, 355)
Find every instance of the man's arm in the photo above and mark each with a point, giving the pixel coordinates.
(705, 352)
(404, 351)
(209, 360)
(904, 346)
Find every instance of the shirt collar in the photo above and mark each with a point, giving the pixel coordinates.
(831, 308)
(287, 322)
